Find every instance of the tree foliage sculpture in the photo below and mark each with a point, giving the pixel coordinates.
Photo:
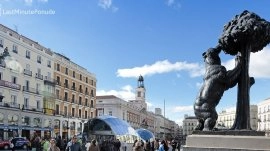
(245, 33)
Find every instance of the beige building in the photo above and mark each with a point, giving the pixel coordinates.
(226, 117)
(75, 93)
(264, 116)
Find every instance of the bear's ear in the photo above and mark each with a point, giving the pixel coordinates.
(204, 54)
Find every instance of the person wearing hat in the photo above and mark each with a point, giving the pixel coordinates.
(93, 146)
(53, 146)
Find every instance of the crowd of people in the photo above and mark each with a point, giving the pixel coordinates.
(156, 145)
(75, 144)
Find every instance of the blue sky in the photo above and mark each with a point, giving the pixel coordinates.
(163, 40)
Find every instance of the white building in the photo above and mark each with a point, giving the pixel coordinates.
(135, 112)
(264, 116)
(227, 116)
(25, 78)
(189, 124)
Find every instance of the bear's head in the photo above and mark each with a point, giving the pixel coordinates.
(211, 56)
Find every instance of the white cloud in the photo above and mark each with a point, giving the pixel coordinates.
(259, 64)
(106, 4)
(160, 67)
(28, 2)
(125, 93)
(182, 109)
(179, 121)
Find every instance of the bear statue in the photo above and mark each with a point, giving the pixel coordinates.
(216, 80)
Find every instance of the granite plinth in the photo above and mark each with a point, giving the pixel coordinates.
(231, 132)
(226, 143)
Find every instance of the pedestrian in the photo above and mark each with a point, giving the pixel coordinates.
(138, 146)
(93, 146)
(74, 145)
(53, 146)
(87, 145)
(46, 144)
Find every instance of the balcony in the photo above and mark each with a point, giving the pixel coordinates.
(10, 105)
(57, 82)
(73, 88)
(39, 76)
(49, 80)
(27, 72)
(58, 97)
(31, 90)
(10, 85)
(31, 108)
(66, 85)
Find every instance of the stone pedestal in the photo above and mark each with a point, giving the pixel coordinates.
(197, 142)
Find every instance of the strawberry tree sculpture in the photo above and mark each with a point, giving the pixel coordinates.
(244, 34)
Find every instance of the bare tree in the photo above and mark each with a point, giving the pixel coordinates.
(245, 33)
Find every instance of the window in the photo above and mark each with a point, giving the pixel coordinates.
(74, 74)
(58, 80)
(38, 104)
(37, 87)
(1, 75)
(80, 100)
(73, 112)
(39, 59)
(80, 77)
(110, 113)
(66, 96)
(39, 71)
(58, 67)
(26, 103)
(1, 43)
(13, 99)
(139, 94)
(86, 101)
(65, 111)
(49, 63)
(73, 98)
(86, 80)
(57, 109)
(85, 114)
(27, 85)
(91, 114)
(14, 79)
(27, 55)
(92, 104)
(57, 94)
(80, 113)
(66, 71)
(15, 48)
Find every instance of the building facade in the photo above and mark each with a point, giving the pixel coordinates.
(134, 112)
(264, 116)
(226, 117)
(25, 78)
(41, 91)
(75, 93)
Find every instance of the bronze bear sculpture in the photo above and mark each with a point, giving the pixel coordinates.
(216, 80)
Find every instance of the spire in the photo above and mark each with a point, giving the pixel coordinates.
(140, 82)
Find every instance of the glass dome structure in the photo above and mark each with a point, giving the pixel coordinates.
(109, 127)
(145, 134)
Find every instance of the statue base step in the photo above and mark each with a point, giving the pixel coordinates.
(226, 143)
